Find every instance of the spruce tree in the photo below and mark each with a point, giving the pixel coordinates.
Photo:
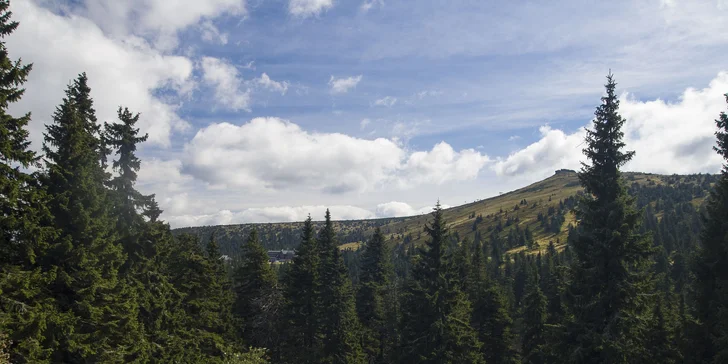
(339, 324)
(710, 338)
(490, 317)
(256, 299)
(205, 299)
(492, 321)
(610, 274)
(372, 300)
(123, 138)
(534, 321)
(219, 292)
(436, 312)
(300, 328)
(24, 236)
(97, 320)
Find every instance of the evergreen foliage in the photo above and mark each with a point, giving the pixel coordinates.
(610, 275)
(710, 337)
(337, 310)
(436, 312)
(96, 310)
(301, 337)
(256, 300)
(373, 301)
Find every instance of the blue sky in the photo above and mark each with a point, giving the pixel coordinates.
(269, 110)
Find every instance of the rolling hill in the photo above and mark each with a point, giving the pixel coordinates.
(526, 219)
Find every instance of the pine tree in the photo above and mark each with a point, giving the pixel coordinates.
(24, 237)
(436, 311)
(372, 300)
(301, 334)
(534, 322)
(97, 320)
(256, 299)
(710, 338)
(339, 324)
(610, 274)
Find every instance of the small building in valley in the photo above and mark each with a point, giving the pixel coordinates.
(280, 256)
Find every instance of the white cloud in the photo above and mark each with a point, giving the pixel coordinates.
(443, 164)
(162, 173)
(668, 137)
(271, 214)
(364, 122)
(342, 85)
(123, 71)
(269, 84)
(211, 34)
(387, 101)
(369, 4)
(553, 151)
(274, 154)
(513, 138)
(159, 19)
(675, 137)
(225, 78)
(307, 8)
(399, 209)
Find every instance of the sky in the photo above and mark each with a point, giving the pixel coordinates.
(267, 111)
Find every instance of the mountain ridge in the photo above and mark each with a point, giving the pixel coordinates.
(539, 212)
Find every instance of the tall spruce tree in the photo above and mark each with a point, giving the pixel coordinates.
(123, 137)
(710, 339)
(436, 312)
(256, 299)
(372, 300)
(24, 304)
(98, 310)
(610, 279)
(301, 336)
(339, 324)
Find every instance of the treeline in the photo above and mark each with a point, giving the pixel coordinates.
(276, 236)
(89, 274)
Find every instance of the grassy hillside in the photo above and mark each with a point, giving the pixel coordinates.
(516, 210)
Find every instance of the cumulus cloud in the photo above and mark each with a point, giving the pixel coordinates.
(668, 137)
(158, 19)
(274, 154)
(124, 71)
(443, 164)
(342, 85)
(387, 101)
(267, 83)
(399, 209)
(554, 150)
(230, 90)
(308, 8)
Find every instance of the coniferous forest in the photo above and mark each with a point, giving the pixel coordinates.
(90, 274)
